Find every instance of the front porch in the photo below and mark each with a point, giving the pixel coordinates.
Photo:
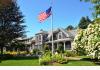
(66, 45)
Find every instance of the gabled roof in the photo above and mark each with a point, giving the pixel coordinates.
(42, 32)
(70, 34)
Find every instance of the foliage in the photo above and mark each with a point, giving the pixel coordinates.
(46, 59)
(14, 53)
(6, 56)
(96, 7)
(89, 39)
(4, 3)
(70, 27)
(11, 27)
(18, 45)
(84, 22)
(59, 58)
(80, 51)
(36, 51)
(70, 53)
(46, 47)
(60, 48)
(48, 53)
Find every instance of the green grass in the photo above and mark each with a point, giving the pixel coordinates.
(77, 63)
(85, 61)
(35, 62)
(25, 62)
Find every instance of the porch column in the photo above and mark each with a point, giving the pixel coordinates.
(64, 46)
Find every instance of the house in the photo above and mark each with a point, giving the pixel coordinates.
(60, 36)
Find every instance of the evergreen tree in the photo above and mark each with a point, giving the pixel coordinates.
(84, 22)
(11, 27)
(70, 27)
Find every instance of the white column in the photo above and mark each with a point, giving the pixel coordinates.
(64, 46)
(41, 39)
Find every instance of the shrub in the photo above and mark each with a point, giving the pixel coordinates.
(80, 51)
(14, 53)
(60, 49)
(45, 60)
(59, 58)
(48, 53)
(62, 61)
(70, 54)
(6, 56)
(35, 51)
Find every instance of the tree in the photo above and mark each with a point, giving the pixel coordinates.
(11, 27)
(84, 22)
(70, 27)
(96, 7)
(89, 39)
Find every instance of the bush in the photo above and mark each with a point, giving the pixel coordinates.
(70, 54)
(35, 51)
(62, 61)
(59, 58)
(15, 53)
(48, 53)
(45, 60)
(80, 51)
(60, 49)
(6, 56)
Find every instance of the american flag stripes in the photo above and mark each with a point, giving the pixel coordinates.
(44, 15)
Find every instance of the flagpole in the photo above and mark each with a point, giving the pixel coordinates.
(52, 26)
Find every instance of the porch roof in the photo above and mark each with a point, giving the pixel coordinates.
(60, 40)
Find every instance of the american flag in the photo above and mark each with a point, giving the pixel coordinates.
(44, 15)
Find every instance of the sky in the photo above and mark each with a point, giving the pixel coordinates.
(65, 12)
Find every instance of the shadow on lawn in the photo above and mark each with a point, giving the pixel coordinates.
(10, 57)
(97, 62)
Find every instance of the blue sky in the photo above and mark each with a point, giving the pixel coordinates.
(65, 12)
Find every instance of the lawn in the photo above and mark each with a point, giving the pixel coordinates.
(20, 62)
(77, 63)
(35, 62)
(84, 61)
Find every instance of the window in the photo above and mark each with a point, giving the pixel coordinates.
(60, 35)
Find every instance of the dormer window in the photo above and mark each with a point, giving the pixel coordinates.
(60, 35)
(39, 37)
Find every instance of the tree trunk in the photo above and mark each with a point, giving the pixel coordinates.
(96, 55)
(1, 50)
(1, 57)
